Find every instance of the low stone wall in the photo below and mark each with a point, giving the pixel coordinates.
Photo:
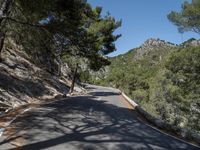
(181, 132)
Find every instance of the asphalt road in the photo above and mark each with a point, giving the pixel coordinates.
(101, 121)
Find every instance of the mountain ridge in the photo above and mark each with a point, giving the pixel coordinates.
(156, 42)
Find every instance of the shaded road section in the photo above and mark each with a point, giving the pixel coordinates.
(99, 121)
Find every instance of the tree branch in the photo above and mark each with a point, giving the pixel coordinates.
(41, 27)
(23, 23)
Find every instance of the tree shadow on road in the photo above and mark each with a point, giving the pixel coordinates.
(104, 93)
(88, 124)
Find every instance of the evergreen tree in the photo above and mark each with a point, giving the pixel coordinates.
(49, 30)
(189, 17)
(92, 41)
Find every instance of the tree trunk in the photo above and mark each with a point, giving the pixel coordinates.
(2, 38)
(4, 12)
(73, 80)
(59, 72)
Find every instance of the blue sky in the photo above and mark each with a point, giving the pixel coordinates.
(143, 19)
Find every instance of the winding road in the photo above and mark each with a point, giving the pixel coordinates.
(101, 120)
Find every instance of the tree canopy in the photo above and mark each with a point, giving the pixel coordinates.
(188, 19)
(51, 31)
(60, 28)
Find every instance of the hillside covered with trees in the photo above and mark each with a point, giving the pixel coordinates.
(162, 77)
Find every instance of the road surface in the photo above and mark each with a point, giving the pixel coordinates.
(102, 120)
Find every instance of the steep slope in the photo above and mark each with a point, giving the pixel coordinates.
(153, 49)
(163, 78)
(23, 82)
(150, 45)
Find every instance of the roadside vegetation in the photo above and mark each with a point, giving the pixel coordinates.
(163, 78)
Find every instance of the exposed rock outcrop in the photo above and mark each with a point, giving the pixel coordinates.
(23, 82)
(149, 45)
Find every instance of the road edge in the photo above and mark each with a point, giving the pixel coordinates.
(183, 134)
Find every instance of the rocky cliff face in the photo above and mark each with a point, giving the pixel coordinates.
(23, 82)
(151, 44)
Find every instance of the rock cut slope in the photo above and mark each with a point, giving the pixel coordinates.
(23, 82)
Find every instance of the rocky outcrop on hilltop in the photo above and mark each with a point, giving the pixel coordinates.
(151, 44)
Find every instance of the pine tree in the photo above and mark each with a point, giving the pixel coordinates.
(189, 17)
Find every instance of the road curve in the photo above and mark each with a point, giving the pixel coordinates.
(99, 121)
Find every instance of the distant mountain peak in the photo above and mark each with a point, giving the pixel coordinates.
(156, 42)
(152, 44)
(191, 42)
